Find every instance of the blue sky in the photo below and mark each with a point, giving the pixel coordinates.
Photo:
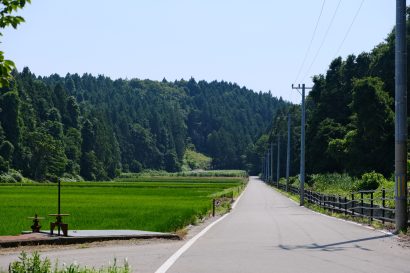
(257, 44)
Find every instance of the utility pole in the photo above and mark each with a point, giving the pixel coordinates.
(278, 164)
(400, 146)
(268, 166)
(288, 155)
(263, 168)
(302, 144)
(271, 162)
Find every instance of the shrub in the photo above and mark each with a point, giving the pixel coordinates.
(16, 175)
(333, 183)
(7, 178)
(67, 177)
(294, 181)
(370, 181)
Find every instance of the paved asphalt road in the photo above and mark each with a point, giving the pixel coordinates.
(269, 233)
(266, 232)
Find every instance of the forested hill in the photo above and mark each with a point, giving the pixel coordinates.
(97, 127)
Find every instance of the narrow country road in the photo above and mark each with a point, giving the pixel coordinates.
(269, 233)
(266, 232)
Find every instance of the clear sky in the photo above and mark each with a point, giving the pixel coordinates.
(257, 44)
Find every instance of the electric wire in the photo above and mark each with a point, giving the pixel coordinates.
(311, 42)
(348, 30)
(323, 40)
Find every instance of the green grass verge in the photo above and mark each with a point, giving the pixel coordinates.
(165, 204)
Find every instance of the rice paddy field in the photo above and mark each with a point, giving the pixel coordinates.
(155, 204)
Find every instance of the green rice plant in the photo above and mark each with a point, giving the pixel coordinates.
(163, 206)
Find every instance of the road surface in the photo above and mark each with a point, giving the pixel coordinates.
(266, 232)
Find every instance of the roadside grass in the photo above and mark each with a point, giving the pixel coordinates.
(35, 264)
(166, 205)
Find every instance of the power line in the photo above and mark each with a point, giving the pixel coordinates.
(323, 40)
(348, 30)
(311, 41)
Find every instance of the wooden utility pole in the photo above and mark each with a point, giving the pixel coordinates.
(400, 147)
(302, 144)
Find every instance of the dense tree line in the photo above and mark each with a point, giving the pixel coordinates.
(350, 114)
(97, 127)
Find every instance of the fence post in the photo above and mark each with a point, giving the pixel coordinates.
(339, 205)
(371, 207)
(353, 204)
(323, 201)
(361, 204)
(213, 207)
(383, 203)
(332, 202)
(345, 205)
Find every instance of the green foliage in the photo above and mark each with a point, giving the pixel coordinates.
(370, 148)
(294, 181)
(31, 264)
(333, 183)
(48, 159)
(194, 160)
(370, 181)
(10, 114)
(8, 7)
(35, 264)
(7, 150)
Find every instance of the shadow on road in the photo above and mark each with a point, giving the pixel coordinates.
(335, 246)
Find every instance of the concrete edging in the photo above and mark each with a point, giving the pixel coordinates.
(81, 240)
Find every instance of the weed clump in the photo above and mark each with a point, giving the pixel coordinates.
(34, 264)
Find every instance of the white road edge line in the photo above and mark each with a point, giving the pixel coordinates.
(171, 260)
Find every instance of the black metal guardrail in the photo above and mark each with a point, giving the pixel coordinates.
(365, 204)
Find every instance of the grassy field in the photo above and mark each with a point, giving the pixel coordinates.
(159, 204)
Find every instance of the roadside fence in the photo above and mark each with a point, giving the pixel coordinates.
(377, 205)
